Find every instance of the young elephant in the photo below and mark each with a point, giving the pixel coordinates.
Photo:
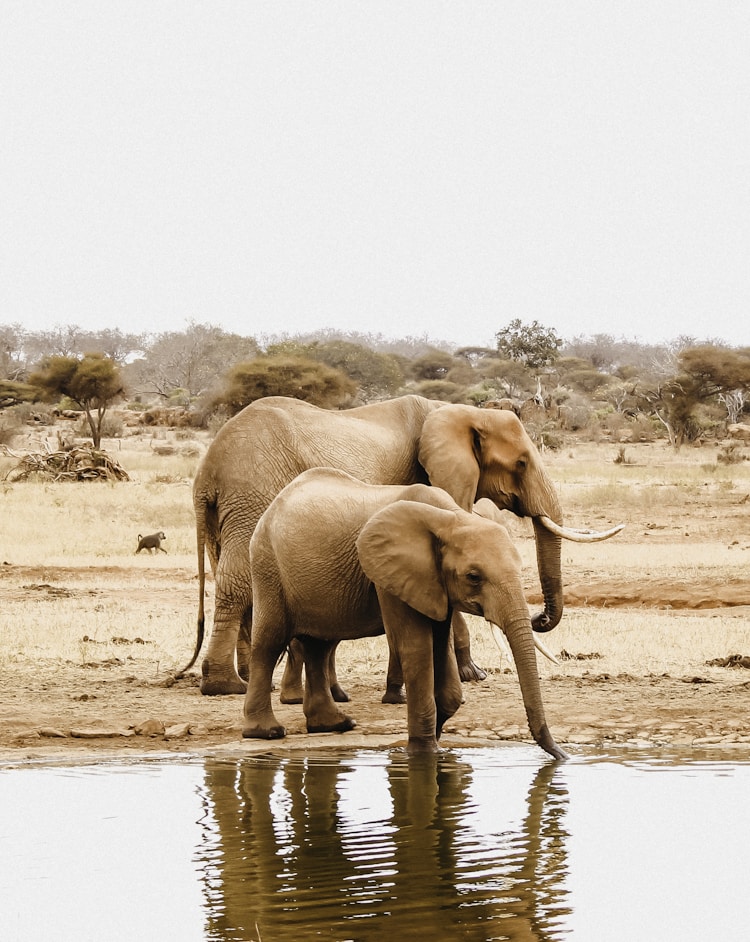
(334, 559)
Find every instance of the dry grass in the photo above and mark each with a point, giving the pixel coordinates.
(91, 529)
(84, 524)
(96, 623)
(638, 642)
(671, 503)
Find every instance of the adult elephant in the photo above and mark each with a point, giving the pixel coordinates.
(335, 559)
(470, 452)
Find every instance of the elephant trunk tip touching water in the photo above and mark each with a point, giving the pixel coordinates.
(545, 740)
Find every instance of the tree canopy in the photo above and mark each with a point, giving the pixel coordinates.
(378, 375)
(693, 389)
(12, 393)
(294, 376)
(92, 381)
(533, 344)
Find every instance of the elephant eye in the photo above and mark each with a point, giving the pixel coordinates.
(521, 464)
(474, 577)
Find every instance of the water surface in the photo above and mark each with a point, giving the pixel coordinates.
(478, 844)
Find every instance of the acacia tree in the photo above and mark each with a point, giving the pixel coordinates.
(92, 381)
(13, 393)
(702, 379)
(533, 344)
(378, 375)
(720, 372)
(432, 365)
(673, 403)
(296, 377)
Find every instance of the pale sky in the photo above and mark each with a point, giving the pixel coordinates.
(406, 168)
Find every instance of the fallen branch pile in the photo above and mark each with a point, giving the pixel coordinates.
(734, 660)
(83, 463)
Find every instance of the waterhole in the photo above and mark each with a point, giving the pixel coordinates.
(477, 844)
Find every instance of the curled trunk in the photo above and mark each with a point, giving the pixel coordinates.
(548, 551)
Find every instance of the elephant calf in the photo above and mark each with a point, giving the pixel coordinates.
(333, 559)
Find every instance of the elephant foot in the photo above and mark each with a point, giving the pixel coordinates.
(442, 719)
(467, 669)
(220, 683)
(339, 694)
(291, 694)
(342, 726)
(394, 693)
(263, 732)
(422, 745)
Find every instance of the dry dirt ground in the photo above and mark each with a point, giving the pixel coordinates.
(119, 698)
(121, 705)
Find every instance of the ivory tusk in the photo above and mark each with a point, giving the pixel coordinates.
(542, 649)
(502, 642)
(579, 536)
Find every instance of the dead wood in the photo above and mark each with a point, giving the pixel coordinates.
(82, 463)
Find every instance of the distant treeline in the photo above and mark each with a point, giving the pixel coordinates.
(685, 389)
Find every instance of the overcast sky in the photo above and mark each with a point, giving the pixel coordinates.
(411, 167)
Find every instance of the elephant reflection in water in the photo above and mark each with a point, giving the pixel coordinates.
(285, 856)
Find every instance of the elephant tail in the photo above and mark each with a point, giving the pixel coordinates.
(201, 630)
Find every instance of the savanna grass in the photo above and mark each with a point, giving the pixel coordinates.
(91, 529)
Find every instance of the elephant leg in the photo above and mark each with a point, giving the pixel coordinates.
(321, 712)
(291, 681)
(448, 693)
(243, 645)
(467, 669)
(411, 635)
(337, 691)
(259, 721)
(292, 690)
(394, 684)
(218, 673)
(234, 597)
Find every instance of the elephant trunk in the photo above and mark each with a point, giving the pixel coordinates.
(548, 551)
(517, 631)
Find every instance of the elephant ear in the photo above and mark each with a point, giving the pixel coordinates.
(484, 507)
(397, 551)
(449, 452)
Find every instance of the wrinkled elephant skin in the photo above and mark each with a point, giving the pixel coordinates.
(335, 559)
(471, 453)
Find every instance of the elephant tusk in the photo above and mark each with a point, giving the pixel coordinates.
(502, 642)
(579, 536)
(542, 649)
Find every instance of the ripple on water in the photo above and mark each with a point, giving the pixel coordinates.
(476, 843)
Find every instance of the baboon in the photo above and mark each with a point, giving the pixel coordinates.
(151, 542)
